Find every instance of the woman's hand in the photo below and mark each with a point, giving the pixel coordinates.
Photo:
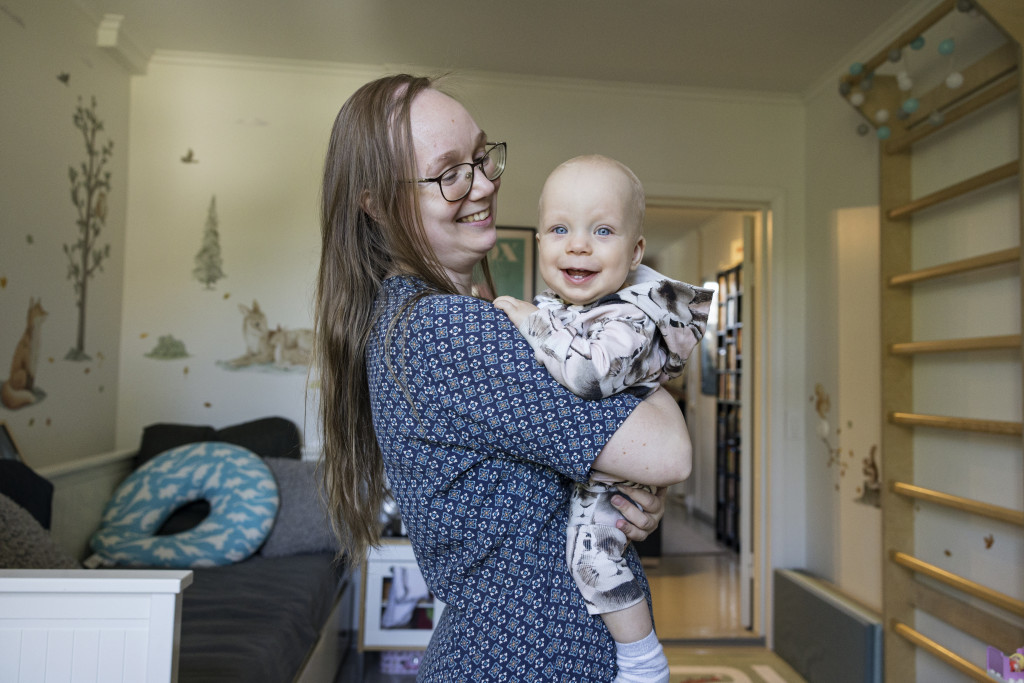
(641, 523)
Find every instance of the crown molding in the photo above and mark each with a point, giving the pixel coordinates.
(111, 36)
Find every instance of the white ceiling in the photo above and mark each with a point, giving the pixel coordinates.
(766, 46)
(780, 46)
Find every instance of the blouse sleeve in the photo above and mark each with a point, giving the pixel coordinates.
(478, 390)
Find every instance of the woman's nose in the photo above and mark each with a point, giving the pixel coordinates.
(482, 185)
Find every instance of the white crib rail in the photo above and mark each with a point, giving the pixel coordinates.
(90, 626)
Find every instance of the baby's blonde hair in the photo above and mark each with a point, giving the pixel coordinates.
(639, 199)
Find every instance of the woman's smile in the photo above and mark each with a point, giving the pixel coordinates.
(475, 217)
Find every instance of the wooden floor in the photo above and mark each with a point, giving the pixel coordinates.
(696, 595)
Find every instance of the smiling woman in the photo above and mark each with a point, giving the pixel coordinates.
(459, 416)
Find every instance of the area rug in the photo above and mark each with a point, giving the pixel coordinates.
(729, 665)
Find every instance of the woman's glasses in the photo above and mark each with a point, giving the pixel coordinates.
(456, 182)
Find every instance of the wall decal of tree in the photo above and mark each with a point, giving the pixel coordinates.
(208, 260)
(90, 183)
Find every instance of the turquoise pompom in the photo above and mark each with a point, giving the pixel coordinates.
(947, 46)
(917, 43)
(856, 69)
(883, 132)
(910, 105)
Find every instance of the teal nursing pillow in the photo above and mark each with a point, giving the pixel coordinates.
(239, 487)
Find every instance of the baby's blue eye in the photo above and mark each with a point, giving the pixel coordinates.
(559, 230)
(603, 231)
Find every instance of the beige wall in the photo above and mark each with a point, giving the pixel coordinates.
(258, 130)
(842, 177)
(38, 42)
(260, 154)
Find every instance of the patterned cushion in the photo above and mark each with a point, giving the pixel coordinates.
(243, 499)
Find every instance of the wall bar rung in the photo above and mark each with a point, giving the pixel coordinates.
(962, 423)
(958, 503)
(996, 258)
(1007, 341)
(981, 98)
(1001, 600)
(941, 653)
(980, 624)
(959, 189)
(980, 101)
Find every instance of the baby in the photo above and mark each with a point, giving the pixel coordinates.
(606, 325)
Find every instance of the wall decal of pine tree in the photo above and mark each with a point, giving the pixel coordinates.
(208, 260)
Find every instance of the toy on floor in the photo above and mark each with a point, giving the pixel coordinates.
(1006, 668)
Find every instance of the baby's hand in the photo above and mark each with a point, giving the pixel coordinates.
(516, 310)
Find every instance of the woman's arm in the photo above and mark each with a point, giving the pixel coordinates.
(651, 447)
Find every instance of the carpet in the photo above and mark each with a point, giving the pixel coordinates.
(728, 665)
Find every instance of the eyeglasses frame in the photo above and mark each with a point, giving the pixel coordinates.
(491, 146)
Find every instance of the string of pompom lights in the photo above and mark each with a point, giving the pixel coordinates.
(901, 58)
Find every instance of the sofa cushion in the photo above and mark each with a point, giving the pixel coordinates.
(26, 488)
(301, 526)
(24, 544)
(268, 437)
(163, 436)
(243, 500)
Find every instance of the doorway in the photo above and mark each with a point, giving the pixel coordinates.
(706, 586)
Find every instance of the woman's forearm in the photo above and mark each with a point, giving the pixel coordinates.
(652, 446)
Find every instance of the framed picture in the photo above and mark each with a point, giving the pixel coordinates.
(513, 262)
(8, 449)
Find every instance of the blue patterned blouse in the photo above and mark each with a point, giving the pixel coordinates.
(480, 465)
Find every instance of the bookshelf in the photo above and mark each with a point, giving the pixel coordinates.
(728, 442)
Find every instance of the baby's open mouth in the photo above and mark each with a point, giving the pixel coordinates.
(577, 274)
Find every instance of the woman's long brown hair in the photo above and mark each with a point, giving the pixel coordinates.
(370, 229)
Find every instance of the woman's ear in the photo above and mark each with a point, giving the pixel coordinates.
(638, 253)
(367, 204)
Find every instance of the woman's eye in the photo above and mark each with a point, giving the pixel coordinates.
(450, 176)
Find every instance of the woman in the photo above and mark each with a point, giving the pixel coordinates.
(435, 388)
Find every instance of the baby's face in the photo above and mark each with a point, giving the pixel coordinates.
(589, 238)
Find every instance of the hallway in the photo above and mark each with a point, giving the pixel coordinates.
(695, 586)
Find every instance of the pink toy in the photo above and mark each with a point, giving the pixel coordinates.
(1006, 668)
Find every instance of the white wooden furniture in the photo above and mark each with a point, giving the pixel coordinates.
(378, 573)
(90, 626)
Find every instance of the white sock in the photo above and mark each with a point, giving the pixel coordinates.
(641, 662)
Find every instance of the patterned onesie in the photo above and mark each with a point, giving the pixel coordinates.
(627, 342)
(481, 448)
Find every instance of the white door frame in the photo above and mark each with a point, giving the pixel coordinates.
(760, 421)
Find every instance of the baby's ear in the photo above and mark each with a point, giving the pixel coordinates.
(638, 253)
